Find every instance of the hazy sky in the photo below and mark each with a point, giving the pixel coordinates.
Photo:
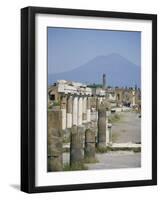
(69, 48)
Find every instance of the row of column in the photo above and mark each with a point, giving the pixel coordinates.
(82, 141)
(75, 110)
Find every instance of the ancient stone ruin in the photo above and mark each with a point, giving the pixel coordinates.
(79, 112)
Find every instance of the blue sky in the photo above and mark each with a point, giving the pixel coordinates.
(69, 48)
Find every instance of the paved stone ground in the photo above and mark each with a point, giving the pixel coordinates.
(128, 129)
(117, 160)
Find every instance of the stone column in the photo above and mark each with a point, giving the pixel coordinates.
(55, 158)
(88, 109)
(107, 131)
(76, 145)
(110, 133)
(63, 109)
(75, 111)
(89, 151)
(102, 125)
(54, 141)
(80, 109)
(84, 109)
(69, 111)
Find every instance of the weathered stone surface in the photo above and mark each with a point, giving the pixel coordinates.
(69, 104)
(69, 112)
(84, 116)
(55, 163)
(101, 127)
(63, 102)
(54, 119)
(110, 132)
(76, 146)
(54, 151)
(89, 151)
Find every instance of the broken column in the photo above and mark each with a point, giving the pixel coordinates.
(110, 133)
(69, 111)
(80, 108)
(89, 150)
(102, 126)
(55, 158)
(75, 110)
(76, 145)
(54, 141)
(107, 133)
(63, 109)
(88, 109)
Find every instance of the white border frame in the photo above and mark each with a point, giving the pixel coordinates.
(42, 178)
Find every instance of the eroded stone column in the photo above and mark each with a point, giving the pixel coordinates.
(88, 109)
(75, 111)
(102, 126)
(89, 151)
(69, 111)
(63, 110)
(80, 110)
(110, 133)
(55, 158)
(76, 145)
(107, 132)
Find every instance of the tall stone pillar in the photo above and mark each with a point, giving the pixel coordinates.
(76, 145)
(75, 111)
(69, 111)
(102, 126)
(88, 109)
(54, 141)
(55, 149)
(84, 109)
(63, 110)
(80, 110)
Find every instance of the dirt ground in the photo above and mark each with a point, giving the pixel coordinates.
(128, 129)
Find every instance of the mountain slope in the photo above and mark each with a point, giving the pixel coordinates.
(119, 72)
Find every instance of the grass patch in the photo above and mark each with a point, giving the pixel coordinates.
(134, 149)
(75, 167)
(90, 160)
(137, 150)
(107, 149)
(103, 149)
(115, 136)
(114, 118)
(66, 150)
(66, 139)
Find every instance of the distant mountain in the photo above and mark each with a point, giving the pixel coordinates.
(119, 72)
